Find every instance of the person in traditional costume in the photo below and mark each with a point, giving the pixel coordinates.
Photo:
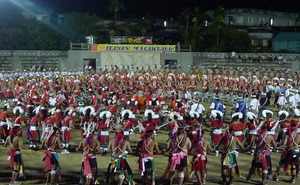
(149, 123)
(199, 160)
(91, 146)
(104, 126)
(88, 117)
(14, 140)
(4, 125)
(67, 124)
(217, 125)
(229, 155)
(284, 124)
(194, 126)
(145, 150)
(33, 133)
(128, 122)
(119, 167)
(251, 127)
(18, 120)
(178, 147)
(237, 126)
(52, 166)
(290, 155)
(262, 154)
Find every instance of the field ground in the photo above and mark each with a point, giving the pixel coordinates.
(70, 163)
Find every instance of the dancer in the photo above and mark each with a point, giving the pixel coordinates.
(290, 155)
(16, 144)
(119, 165)
(4, 127)
(194, 127)
(33, 130)
(103, 130)
(216, 127)
(52, 167)
(145, 150)
(127, 123)
(178, 147)
(262, 154)
(67, 125)
(237, 126)
(284, 125)
(199, 160)
(251, 127)
(89, 167)
(228, 143)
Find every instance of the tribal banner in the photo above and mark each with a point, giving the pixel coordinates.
(133, 48)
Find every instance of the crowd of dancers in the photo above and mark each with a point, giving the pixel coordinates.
(127, 99)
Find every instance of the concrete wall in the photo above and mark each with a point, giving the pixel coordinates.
(74, 59)
(184, 59)
(136, 59)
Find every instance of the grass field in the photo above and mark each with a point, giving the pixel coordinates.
(70, 163)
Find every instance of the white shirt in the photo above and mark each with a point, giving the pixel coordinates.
(270, 88)
(277, 89)
(281, 101)
(297, 96)
(254, 103)
(287, 93)
(187, 95)
(197, 107)
(292, 101)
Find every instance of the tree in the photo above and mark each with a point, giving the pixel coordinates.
(79, 25)
(18, 32)
(218, 22)
(194, 30)
(115, 6)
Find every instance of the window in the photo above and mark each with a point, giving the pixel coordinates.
(261, 21)
(250, 20)
(230, 20)
(254, 42)
(265, 43)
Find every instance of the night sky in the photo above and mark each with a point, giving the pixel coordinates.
(161, 8)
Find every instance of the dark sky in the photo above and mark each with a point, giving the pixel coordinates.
(162, 8)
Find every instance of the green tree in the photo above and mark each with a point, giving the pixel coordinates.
(18, 32)
(217, 23)
(194, 26)
(234, 40)
(116, 6)
(79, 25)
(142, 27)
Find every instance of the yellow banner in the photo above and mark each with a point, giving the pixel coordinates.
(133, 48)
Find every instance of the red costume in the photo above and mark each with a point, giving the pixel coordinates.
(237, 129)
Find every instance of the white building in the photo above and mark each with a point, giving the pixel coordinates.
(254, 17)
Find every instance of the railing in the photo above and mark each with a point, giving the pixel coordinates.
(80, 46)
(84, 46)
(183, 48)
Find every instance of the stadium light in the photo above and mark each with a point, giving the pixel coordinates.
(205, 23)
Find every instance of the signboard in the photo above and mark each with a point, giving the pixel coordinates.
(130, 40)
(133, 48)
